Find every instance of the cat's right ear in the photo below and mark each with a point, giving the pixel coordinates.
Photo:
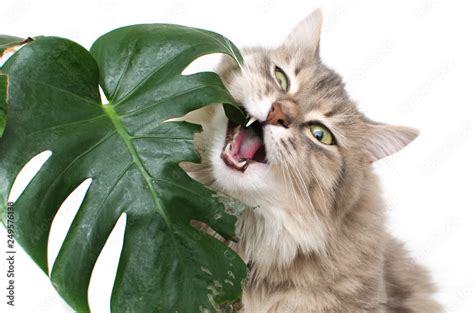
(386, 139)
(307, 33)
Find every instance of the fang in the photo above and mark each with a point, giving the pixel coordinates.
(251, 121)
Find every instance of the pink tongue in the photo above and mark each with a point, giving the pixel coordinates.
(246, 144)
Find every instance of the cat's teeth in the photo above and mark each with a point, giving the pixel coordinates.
(242, 162)
(228, 148)
(251, 121)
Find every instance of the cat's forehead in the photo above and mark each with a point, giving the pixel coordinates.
(263, 59)
(314, 87)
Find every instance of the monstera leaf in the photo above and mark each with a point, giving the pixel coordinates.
(131, 152)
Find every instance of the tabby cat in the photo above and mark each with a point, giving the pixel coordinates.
(315, 240)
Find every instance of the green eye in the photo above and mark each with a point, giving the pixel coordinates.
(281, 78)
(322, 134)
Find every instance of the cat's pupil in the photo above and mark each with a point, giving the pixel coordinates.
(318, 134)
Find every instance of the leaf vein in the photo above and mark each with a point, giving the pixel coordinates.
(89, 102)
(146, 78)
(122, 75)
(141, 110)
(162, 137)
(67, 124)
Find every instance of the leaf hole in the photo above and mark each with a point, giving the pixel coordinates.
(202, 64)
(105, 269)
(63, 219)
(27, 173)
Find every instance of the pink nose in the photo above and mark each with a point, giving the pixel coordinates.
(277, 116)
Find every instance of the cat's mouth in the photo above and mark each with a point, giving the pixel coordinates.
(243, 146)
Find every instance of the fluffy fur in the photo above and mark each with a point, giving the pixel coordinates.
(316, 240)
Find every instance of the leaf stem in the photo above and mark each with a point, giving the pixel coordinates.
(127, 139)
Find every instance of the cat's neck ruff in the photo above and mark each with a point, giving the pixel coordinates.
(273, 234)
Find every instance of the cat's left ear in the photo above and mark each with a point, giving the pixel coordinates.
(307, 33)
(384, 139)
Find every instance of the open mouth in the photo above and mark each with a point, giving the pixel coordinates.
(243, 146)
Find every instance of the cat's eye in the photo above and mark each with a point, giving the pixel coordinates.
(282, 79)
(322, 134)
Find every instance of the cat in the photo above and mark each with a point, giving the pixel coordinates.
(315, 239)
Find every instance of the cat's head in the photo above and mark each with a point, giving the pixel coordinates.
(307, 141)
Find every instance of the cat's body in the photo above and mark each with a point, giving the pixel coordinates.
(315, 240)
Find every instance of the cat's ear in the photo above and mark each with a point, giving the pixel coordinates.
(384, 139)
(307, 33)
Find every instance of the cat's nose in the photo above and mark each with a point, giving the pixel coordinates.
(277, 116)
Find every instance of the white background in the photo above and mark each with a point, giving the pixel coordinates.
(409, 63)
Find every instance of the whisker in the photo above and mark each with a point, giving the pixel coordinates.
(286, 171)
(302, 184)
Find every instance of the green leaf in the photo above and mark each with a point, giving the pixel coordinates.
(3, 102)
(131, 153)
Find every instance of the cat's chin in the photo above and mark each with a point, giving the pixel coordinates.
(248, 185)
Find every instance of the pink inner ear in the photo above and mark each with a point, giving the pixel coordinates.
(385, 140)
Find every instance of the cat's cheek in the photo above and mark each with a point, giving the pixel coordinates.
(272, 136)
